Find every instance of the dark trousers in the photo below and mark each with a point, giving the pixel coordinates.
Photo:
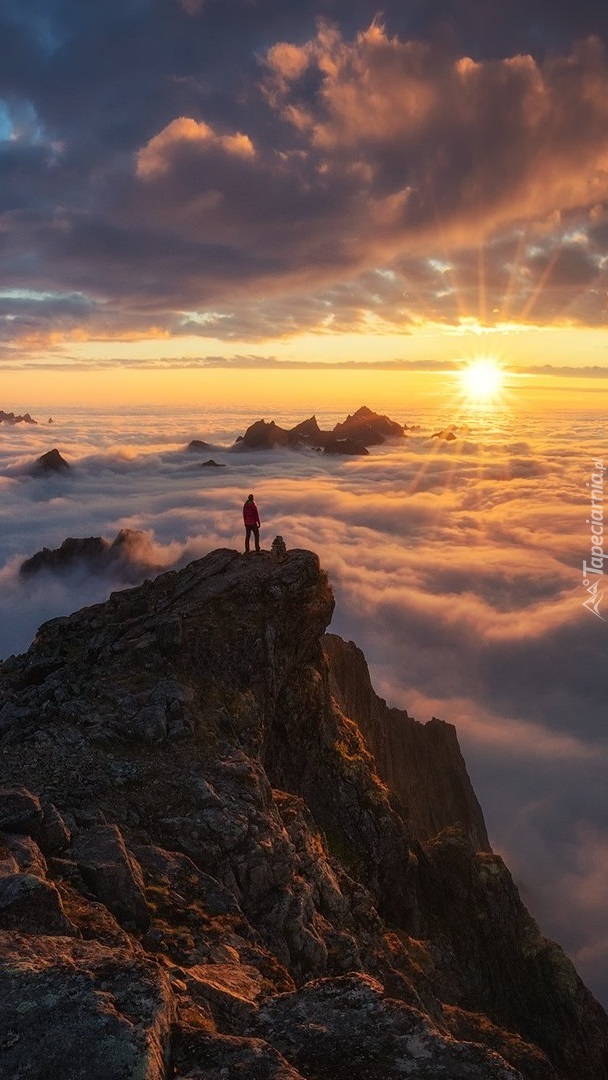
(255, 529)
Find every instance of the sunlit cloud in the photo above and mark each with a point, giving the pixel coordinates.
(156, 156)
(348, 179)
(378, 90)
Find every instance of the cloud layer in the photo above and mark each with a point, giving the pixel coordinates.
(457, 568)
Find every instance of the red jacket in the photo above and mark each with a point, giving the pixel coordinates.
(250, 513)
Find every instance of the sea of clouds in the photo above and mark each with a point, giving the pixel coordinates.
(457, 568)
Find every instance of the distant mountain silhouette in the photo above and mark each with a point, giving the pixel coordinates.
(51, 462)
(129, 556)
(11, 418)
(352, 436)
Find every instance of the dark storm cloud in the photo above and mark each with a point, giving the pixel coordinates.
(245, 169)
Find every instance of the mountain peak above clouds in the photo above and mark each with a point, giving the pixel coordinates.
(12, 418)
(207, 814)
(129, 556)
(51, 462)
(352, 436)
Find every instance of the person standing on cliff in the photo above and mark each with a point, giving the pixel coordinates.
(251, 518)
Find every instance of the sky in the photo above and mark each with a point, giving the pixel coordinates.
(195, 189)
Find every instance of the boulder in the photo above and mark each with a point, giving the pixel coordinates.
(75, 1008)
(112, 874)
(20, 811)
(200, 1055)
(346, 1027)
(32, 906)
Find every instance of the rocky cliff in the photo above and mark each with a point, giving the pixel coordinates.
(419, 763)
(222, 855)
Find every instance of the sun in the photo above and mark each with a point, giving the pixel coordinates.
(482, 379)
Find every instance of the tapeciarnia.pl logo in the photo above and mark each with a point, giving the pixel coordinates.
(593, 571)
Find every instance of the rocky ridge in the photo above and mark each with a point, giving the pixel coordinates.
(12, 418)
(129, 557)
(222, 855)
(352, 436)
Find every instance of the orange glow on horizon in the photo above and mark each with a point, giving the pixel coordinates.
(173, 371)
(267, 391)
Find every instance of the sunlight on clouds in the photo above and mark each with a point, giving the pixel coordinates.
(155, 158)
(377, 88)
(287, 63)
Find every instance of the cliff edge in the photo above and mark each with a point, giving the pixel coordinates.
(420, 763)
(222, 855)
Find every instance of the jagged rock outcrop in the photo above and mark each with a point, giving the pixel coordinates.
(206, 851)
(129, 556)
(51, 462)
(196, 445)
(368, 428)
(364, 428)
(12, 418)
(264, 436)
(309, 429)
